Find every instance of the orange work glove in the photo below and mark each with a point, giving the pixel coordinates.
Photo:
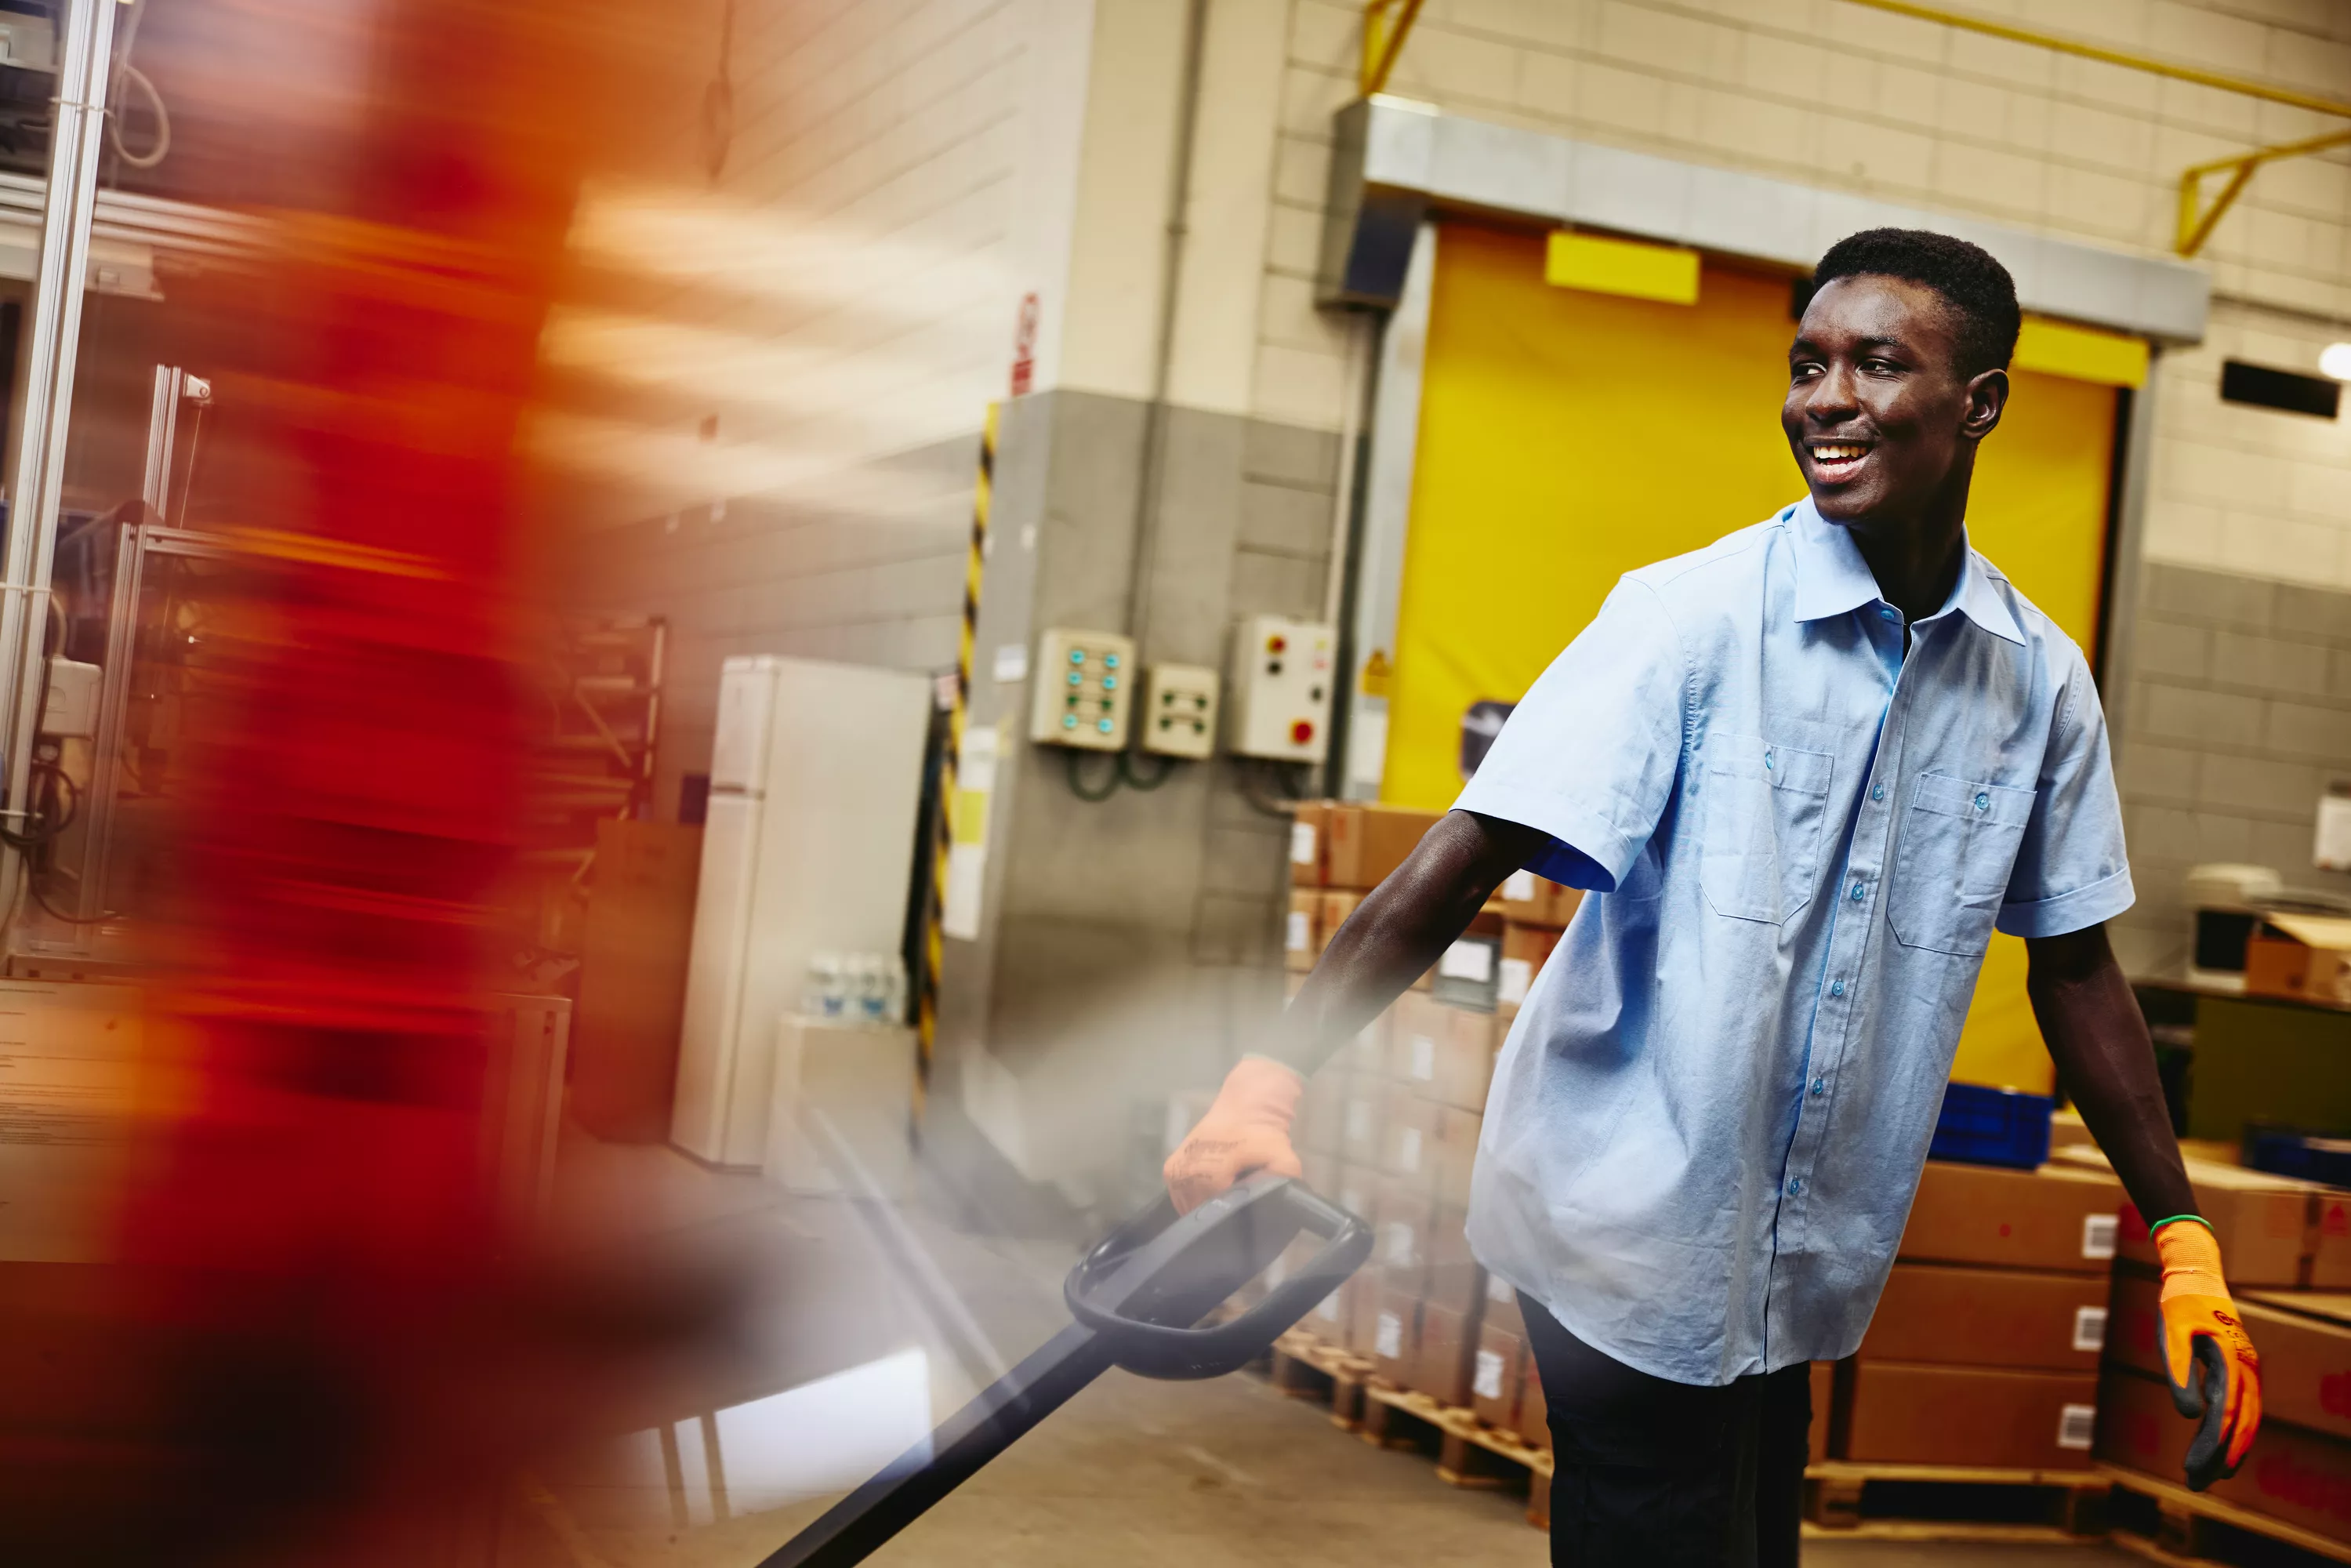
(1247, 1129)
(2215, 1372)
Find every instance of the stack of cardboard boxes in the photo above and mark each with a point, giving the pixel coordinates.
(1389, 1127)
(2276, 1244)
(1984, 1349)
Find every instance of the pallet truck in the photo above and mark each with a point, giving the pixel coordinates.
(1135, 1298)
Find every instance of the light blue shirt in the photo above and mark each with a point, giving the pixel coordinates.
(1708, 1124)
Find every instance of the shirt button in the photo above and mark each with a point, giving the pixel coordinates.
(1836, 989)
(1795, 1187)
(1983, 802)
(1878, 791)
(1889, 613)
(1767, 759)
(1820, 1087)
(1856, 892)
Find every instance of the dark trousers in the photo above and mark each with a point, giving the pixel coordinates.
(1651, 1474)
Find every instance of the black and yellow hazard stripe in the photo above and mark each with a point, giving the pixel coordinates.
(926, 1015)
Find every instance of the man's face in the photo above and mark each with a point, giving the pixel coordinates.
(1877, 412)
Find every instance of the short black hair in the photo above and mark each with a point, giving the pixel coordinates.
(1981, 293)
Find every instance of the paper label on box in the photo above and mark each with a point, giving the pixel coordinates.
(1487, 1381)
(2076, 1424)
(1276, 1273)
(2098, 1236)
(1359, 1122)
(1500, 1289)
(1328, 1308)
(1408, 1150)
(1517, 978)
(1011, 664)
(2089, 1328)
(1519, 887)
(1399, 1244)
(1301, 843)
(1301, 935)
(1387, 1341)
(1424, 1058)
(1470, 961)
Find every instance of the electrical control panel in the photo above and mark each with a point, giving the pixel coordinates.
(1283, 673)
(1180, 711)
(1081, 689)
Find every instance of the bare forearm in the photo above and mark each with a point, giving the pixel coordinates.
(1399, 930)
(2098, 1038)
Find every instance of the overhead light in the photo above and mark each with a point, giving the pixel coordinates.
(2334, 360)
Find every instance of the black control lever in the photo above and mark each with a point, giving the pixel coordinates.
(1137, 1297)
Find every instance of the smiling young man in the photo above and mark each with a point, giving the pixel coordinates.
(1805, 773)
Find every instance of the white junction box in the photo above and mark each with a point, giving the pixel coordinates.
(1083, 689)
(1180, 711)
(70, 705)
(1283, 675)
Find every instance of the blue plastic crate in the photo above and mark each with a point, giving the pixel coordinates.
(2305, 1155)
(1984, 1126)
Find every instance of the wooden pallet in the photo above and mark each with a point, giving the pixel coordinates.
(2197, 1530)
(1305, 1367)
(1469, 1452)
(1954, 1503)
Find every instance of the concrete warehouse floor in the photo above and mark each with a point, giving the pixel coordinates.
(875, 1316)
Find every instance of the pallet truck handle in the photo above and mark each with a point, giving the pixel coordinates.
(1121, 1290)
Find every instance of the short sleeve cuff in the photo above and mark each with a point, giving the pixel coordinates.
(1589, 854)
(2076, 911)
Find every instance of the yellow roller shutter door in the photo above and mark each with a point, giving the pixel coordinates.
(1567, 437)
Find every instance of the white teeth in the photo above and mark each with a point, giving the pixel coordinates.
(1838, 453)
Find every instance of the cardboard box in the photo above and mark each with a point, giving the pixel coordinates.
(2059, 1218)
(1321, 1113)
(1337, 906)
(2330, 1250)
(1449, 1235)
(2304, 1339)
(1401, 1216)
(1494, 1373)
(1300, 930)
(1309, 827)
(1459, 1288)
(1823, 1396)
(1362, 1111)
(1457, 1155)
(1356, 1189)
(2299, 1477)
(1408, 1141)
(1367, 1052)
(1988, 1317)
(1395, 1333)
(1534, 1415)
(1332, 1320)
(1525, 950)
(1449, 1346)
(1322, 1172)
(2264, 1223)
(1564, 901)
(1502, 1305)
(1992, 1417)
(1468, 973)
(2303, 957)
(1444, 1053)
(1365, 842)
(1363, 1314)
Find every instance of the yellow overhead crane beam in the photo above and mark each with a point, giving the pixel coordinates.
(2196, 219)
(1383, 37)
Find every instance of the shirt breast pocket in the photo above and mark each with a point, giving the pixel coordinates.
(1762, 808)
(1959, 847)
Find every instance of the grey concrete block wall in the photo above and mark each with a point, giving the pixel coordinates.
(1128, 947)
(2240, 718)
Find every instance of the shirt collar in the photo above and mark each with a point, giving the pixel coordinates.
(1831, 578)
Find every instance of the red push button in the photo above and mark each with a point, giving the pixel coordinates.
(1302, 732)
(1275, 644)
